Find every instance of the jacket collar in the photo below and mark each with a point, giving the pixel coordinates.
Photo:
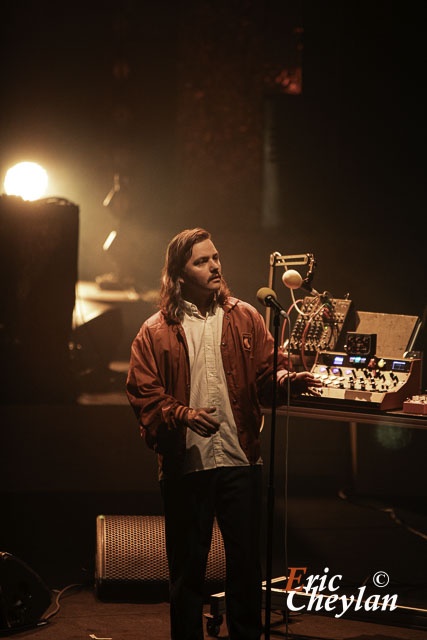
(230, 304)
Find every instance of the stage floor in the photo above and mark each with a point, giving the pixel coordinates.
(82, 615)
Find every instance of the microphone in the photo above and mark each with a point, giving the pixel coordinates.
(268, 298)
(293, 280)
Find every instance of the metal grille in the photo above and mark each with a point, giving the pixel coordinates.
(132, 548)
(215, 569)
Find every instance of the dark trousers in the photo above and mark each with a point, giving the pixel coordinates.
(233, 495)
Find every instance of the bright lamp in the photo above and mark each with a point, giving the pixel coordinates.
(26, 179)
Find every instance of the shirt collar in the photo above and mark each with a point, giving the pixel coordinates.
(191, 309)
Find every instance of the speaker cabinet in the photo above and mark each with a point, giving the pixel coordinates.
(38, 275)
(23, 595)
(131, 560)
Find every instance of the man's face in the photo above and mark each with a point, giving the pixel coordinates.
(202, 272)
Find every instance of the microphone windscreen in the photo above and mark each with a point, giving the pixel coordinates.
(263, 293)
(292, 279)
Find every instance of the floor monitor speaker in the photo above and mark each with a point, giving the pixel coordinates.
(24, 597)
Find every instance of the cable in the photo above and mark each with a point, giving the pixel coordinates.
(288, 402)
(283, 334)
(59, 595)
(313, 314)
(400, 522)
(286, 464)
(302, 345)
(388, 510)
(296, 306)
(303, 313)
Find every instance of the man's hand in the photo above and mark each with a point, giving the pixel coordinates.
(199, 421)
(305, 382)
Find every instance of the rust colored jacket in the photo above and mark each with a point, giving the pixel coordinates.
(158, 385)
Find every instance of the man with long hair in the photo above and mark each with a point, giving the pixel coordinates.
(199, 370)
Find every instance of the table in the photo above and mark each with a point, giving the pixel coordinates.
(352, 415)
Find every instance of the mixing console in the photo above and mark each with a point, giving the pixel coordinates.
(383, 383)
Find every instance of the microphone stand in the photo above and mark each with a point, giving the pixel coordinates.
(270, 495)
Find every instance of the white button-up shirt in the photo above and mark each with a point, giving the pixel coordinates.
(209, 389)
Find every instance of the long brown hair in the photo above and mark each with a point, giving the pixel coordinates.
(177, 255)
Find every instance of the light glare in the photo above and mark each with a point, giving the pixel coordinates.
(109, 241)
(26, 179)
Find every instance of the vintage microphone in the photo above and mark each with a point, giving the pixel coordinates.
(268, 298)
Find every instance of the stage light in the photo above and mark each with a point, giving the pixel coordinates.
(109, 241)
(26, 179)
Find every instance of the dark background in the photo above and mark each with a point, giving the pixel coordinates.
(182, 99)
(187, 126)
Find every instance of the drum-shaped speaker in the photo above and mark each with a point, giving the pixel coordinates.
(131, 558)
